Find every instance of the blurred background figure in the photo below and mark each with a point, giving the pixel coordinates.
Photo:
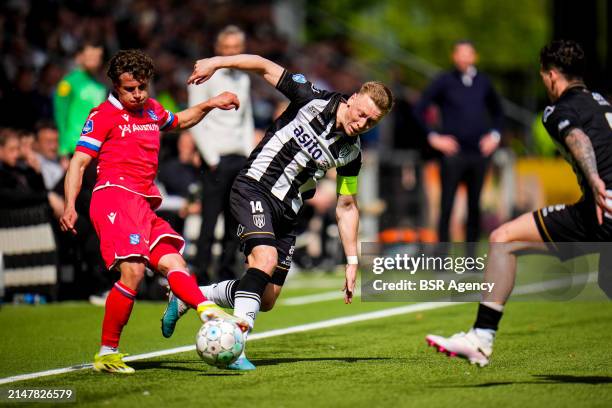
(46, 147)
(469, 132)
(27, 213)
(179, 178)
(76, 94)
(224, 139)
(21, 184)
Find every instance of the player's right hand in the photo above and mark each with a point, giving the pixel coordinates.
(68, 219)
(603, 199)
(447, 144)
(225, 101)
(202, 71)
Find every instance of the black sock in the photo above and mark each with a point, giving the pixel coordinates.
(487, 318)
(253, 282)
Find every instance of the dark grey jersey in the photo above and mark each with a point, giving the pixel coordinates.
(302, 144)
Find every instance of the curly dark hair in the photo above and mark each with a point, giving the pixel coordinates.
(566, 56)
(136, 62)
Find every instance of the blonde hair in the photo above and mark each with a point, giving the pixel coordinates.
(380, 95)
(231, 30)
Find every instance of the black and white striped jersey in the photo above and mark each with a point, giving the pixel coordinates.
(302, 144)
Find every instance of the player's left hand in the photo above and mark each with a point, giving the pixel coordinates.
(349, 283)
(202, 71)
(488, 144)
(601, 199)
(225, 101)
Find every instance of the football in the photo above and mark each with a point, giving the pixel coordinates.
(219, 342)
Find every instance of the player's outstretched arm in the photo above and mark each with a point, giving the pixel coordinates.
(193, 115)
(205, 68)
(72, 187)
(581, 148)
(347, 216)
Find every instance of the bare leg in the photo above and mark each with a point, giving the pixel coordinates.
(518, 234)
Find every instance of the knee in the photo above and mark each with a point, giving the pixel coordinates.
(264, 258)
(500, 235)
(171, 262)
(132, 273)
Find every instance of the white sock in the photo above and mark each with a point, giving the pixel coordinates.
(246, 308)
(104, 350)
(487, 335)
(220, 293)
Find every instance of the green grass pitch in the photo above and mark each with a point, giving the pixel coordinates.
(556, 354)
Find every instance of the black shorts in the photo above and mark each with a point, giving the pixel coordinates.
(572, 223)
(263, 220)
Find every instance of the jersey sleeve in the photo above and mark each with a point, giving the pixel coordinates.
(166, 120)
(347, 177)
(94, 133)
(298, 89)
(559, 120)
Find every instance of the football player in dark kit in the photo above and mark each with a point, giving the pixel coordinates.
(580, 123)
(318, 131)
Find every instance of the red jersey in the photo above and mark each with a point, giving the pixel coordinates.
(126, 144)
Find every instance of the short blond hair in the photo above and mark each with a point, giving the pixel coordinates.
(380, 95)
(231, 30)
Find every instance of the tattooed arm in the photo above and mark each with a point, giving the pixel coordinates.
(581, 148)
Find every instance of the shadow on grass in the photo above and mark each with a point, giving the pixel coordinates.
(276, 361)
(197, 365)
(174, 365)
(544, 379)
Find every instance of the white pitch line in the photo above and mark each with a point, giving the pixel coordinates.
(520, 290)
(317, 297)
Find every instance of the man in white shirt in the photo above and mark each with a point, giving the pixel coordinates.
(225, 140)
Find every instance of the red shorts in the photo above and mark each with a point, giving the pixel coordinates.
(128, 227)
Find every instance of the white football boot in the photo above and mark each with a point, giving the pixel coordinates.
(477, 349)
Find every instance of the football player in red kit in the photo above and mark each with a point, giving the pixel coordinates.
(123, 133)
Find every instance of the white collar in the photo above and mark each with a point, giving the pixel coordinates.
(114, 101)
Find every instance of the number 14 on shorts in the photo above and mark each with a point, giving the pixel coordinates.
(256, 207)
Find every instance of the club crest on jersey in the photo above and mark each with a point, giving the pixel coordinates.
(299, 78)
(134, 239)
(88, 128)
(152, 114)
(259, 220)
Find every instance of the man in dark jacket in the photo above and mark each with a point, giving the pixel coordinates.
(469, 133)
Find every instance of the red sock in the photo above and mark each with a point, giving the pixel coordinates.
(119, 305)
(183, 286)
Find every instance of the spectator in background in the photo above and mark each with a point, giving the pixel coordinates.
(46, 151)
(469, 133)
(224, 139)
(20, 184)
(179, 178)
(77, 93)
